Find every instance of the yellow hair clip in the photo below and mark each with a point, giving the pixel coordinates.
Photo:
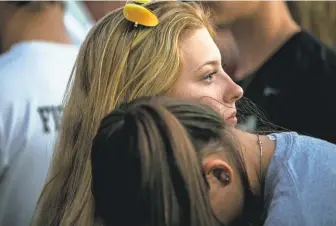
(142, 1)
(139, 14)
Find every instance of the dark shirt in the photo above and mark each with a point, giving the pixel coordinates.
(296, 87)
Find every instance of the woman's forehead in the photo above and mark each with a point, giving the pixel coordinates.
(198, 48)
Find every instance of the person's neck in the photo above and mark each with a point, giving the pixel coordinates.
(257, 158)
(259, 37)
(47, 25)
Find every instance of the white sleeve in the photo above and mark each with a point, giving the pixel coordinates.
(12, 130)
(3, 159)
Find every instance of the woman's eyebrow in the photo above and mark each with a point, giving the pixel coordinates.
(211, 62)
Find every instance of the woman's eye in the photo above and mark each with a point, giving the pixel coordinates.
(209, 77)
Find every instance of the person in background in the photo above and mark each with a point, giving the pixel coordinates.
(98, 9)
(126, 56)
(288, 73)
(229, 51)
(35, 66)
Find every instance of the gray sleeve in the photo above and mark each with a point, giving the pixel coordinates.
(284, 207)
(288, 216)
(301, 182)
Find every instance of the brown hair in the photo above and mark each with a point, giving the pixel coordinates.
(117, 62)
(155, 173)
(146, 162)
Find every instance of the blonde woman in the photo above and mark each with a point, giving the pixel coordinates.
(119, 61)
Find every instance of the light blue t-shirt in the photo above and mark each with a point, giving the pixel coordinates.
(300, 187)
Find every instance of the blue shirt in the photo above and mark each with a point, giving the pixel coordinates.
(300, 188)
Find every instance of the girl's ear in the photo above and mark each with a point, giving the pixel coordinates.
(219, 170)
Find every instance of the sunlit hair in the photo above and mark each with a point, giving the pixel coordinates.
(318, 17)
(117, 62)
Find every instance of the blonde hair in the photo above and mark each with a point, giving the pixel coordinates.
(319, 18)
(117, 62)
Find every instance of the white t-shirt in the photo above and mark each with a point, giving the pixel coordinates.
(33, 80)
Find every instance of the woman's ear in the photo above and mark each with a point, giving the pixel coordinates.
(219, 170)
(225, 190)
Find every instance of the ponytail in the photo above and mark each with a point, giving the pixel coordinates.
(145, 170)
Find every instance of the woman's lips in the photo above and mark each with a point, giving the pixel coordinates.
(232, 119)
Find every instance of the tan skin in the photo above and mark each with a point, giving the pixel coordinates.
(202, 74)
(228, 199)
(19, 24)
(98, 9)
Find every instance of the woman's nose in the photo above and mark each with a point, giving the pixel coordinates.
(238, 92)
(233, 91)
